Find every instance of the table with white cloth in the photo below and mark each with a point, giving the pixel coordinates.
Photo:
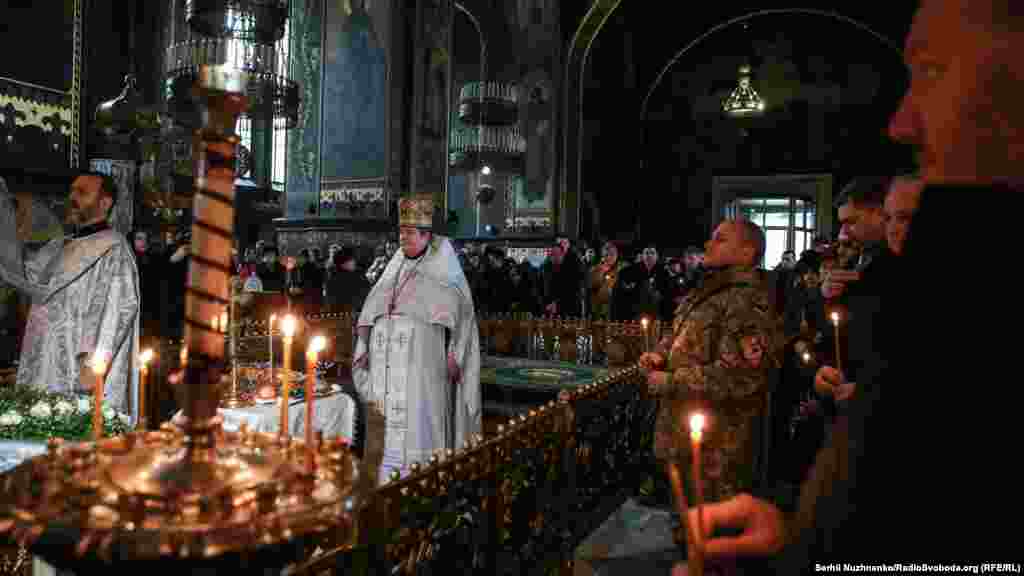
(332, 414)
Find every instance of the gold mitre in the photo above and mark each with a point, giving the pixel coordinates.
(416, 211)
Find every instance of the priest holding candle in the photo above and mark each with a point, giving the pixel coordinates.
(726, 339)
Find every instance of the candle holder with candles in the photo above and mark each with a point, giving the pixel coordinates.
(189, 492)
(229, 325)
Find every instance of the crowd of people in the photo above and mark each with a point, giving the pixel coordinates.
(926, 473)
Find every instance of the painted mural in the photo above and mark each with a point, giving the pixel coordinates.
(355, 75)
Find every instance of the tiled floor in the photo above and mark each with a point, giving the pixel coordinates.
(635, 541)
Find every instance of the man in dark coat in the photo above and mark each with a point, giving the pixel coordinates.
(346, 288)
(643, 289)
(920, 475)
(563, 280)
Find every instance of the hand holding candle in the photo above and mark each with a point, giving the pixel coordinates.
(696, 434)
(316, 345)
(835, 322)
(288, 325)
(144, 359)
(99, 369)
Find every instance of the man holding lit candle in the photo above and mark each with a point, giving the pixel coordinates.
(85, 296)
(418, 352)
(921, 475)
(854, 294)
(603, 277)
(726, 339)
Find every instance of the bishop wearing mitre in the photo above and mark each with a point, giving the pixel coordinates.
(417, 358)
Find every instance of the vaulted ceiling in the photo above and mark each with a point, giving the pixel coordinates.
(831, 73)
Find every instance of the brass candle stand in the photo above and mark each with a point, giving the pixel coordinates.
(234, 399)
(189, 491)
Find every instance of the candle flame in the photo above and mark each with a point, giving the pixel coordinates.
(317, 345)
(183, 356)
(99, 363)
(835, 318)
(288, 325)
(644, 322)
(807, 357)
(146, 357)
(696, 426)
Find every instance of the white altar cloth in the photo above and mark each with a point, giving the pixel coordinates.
(333, 415)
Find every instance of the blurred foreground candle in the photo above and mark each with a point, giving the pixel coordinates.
(696, 433)
(99, 369)
(694, 556)
(316, 345)
(144, 359)
(287, 333)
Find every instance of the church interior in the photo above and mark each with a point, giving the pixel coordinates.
(535, 188)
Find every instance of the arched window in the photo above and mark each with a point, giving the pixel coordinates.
(788, 223)
(278, 151)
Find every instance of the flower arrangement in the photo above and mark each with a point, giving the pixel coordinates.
(30, 414)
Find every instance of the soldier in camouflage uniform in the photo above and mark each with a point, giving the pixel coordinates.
(725, 342)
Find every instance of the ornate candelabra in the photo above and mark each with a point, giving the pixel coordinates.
(189, 491)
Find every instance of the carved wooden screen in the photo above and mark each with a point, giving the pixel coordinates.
(40, 95)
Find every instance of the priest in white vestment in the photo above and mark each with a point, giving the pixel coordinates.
(85, 297)
(417, 358)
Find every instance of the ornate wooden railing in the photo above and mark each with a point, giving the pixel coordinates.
(545, 338)
(517, 503)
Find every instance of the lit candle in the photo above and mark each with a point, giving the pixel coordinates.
(696, 432)
(807, 357)
(316, 345)
(144, 359)
(287, 333)
(694, 557)
(99, 368)
(288, 263)
(647, 343)
(839, 361)
(270, 343)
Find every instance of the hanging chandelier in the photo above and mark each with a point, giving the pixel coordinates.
(240, 35)
(743, 100)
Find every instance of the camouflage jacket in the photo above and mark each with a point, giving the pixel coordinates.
(726, 339)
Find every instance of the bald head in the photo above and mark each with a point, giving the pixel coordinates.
(753, 237)
(900, 206)
(737, 242)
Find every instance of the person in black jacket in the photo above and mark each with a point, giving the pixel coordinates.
(347, 288)
(643, 289)
(563, 279)
(918, 475)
